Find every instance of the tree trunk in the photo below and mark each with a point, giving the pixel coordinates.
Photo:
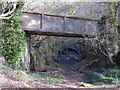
(101, 57)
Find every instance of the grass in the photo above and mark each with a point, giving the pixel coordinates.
(45, 75)
(50, 77)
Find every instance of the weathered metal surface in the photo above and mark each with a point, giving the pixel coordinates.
(31, 21)
(84, 27)
(54, 25)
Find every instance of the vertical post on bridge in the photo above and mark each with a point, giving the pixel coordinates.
(41, 21)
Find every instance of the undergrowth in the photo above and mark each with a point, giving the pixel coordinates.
(105, 76)
(50, 77)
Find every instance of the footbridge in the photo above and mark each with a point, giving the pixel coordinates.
(56, 25)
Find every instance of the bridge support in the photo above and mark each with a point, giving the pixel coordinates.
(26, 54)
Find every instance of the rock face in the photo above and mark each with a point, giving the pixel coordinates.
(80, 9)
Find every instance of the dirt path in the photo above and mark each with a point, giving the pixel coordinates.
(72, 80)
(73, 76)
(76, 79)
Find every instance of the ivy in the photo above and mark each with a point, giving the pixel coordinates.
(13, 39)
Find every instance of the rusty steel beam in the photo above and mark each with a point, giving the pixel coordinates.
(56, 25)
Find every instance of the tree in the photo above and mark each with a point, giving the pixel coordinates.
(109, 38)
(13, 37)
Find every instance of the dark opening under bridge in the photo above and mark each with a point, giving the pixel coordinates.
(55, 25)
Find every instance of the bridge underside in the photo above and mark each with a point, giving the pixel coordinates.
(38, 32)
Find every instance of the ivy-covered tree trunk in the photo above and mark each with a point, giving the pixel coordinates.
(1, 56)
(15, 46)
(0, 45)
(0, 35)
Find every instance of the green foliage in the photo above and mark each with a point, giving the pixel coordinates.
(108, 41)
(94, 77)
(13, 39)
(106, 76)
(115, 73)
(98, 78)
(0, 7)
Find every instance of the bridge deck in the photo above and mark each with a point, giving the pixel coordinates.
(55, 25)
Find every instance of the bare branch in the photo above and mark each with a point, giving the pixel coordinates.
(6, 17)
(8, 14)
